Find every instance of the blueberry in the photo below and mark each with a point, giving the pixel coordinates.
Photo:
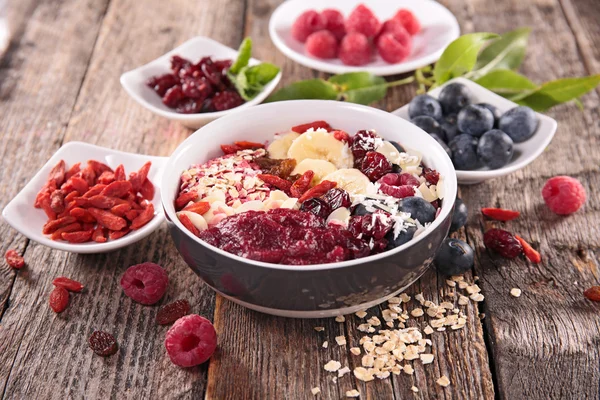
(449, 126)
(519, 123)
(396, 169)
(428, 124)
(424, 104)
(495, 112)
(398, 147)
(475, 120)
(418, 208)
(360, 209)
(443, 144)
(459, 217)
(495, 149)
(464, 152)
(403, 237)
(454, 97)
(454, 257)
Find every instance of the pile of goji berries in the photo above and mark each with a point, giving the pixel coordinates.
(95, 203)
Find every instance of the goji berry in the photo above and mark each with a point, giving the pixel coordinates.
(103, 343)
(45, 204)
(120, 173)
(77, 236)
(99, 167)
(57, 201)
(106, 178)
(279, 183)
(46, 190)
(532, 254)
(78, 184)
(108, 219)
(200, 207)
(69, 284)
(71, 196)
(57, 235)
(99, 235)
(72, 204)
(53, 225)
(57, 173)
(105, 202)
(147, 190)
(314, 125)
(14, 260)
(249, 145)
(342, 136)
(82, 215)
(171, 312)
(302, 184)
(117, 189)
(145, 216)
(137, 178)
(95, 190)
(317, 190)
(187, 222)
(59, 299)
(132, 214)
(88, 226)
(88, 175)
(592, 293)
(75, 168)
(113, 235)
(121, 209)
(82, 202)
(500, 214)
(230, 148)
(185, 198)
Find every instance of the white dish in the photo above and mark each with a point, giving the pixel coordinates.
(21, 214)
(525, 152)
(439, 29)
(134, 81)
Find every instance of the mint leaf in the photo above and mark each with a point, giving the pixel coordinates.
(559, 91)
(244, 53)
(506, 52)
(250, 81)
(506, 83)
(308, 89)
(460, 56)
(356, 80)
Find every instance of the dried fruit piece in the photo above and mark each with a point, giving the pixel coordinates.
(57, 201)
(302, 184)
(121, 209)
(532, 254)
(230, 148)
(99, 167)
(185, 198)
(191, 341)
(137, 178)
(69, 284)
(277, 182)
(106, 178)
(318, 190)
(75, 168)
(82, 215)
(226, 100)
(147, 190)
(592, 293)
(107, 219)
(77, 237)
(13, 259)
(342, 136)
(503, 243)
(187, 222)
(199, 208)
(93, 191)
(51, 226)
(500, 214)
(57, 173)
(312, 125)
(99, 235)
(114, 235)
(171, 312)
(143, 218)
(103, 343)
(59, 299)
(117, 189)
(57, 235)
(145, 283)
(120, 173)
(244, 144)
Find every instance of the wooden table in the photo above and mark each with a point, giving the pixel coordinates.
(59, 81)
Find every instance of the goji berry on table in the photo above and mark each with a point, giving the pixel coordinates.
(59, 299)
(13, 259)
(532, 254)
(500, 214)
(67, 283)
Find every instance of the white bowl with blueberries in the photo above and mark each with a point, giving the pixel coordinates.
(485, 135)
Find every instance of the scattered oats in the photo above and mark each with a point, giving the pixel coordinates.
(395, 300)
(371, 329)
(477, 297)
(363, 327)
(369, 346)
(436, 323)
(441, 329)
(475, 278)
(473, 289)
(428, 330)
(319, 328)
(390, 324)
(404, 297)
(443, 381)
(408, 369)
(325, 344)
(334, 379)
(368, 361)
(450, 283)
(396, 369)
(340, 340)
(458, 278)
(352, 393)
(340, 318)
(383, 374)
(515, 292)
(417, 312)
(362, 374)
(456, 311)
(315, 391)
(374, 321)
(463, 285)
(419, 297)
(481, 316)
(343, 371)
(426, 358)
(355, 350)
(463, 300)
(414, 389)
(388, 315)
(447, 305)
(361, 314)
(332, 366)
(456, 327)
(405, 316)
(395, 308)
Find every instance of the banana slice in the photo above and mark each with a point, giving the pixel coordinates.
(278, 149)
(321, 168)
(320, 145)
(351, 180)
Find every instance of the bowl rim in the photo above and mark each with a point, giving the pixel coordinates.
(447, 207)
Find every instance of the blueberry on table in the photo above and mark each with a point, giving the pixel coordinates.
(454, 257)
(520, 123)
(443, 144)
(424, 104)
(495, 149)
(428, 124)
(475, 120)
(454, 97)
(464, 152)
(418, 208)
(403, 237)
(459, 217)
(449, 126)
(495, 112)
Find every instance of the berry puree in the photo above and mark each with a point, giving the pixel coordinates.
(313, 195)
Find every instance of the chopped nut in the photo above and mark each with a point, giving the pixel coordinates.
(515, 292)
(332, 366)
(315, 391)
(319, 328)
(352, 393)
(443, 381)
(340, 340)
(340, 318)
(361, 314)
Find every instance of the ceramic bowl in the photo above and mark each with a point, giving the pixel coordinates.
(314, 290)
(524, 153)
(134, 81)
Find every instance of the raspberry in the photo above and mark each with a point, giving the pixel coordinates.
(398, 192)
(398, 31)
(362, 20)
(59, 299)
(355, 49)
(14, 259)
(322, 44)
(103, 343)
(500, 214)
(227, 100)
(503, 243)
(563, 195)
(394, 179)
(375, 165)
(145, 283)
(308, 22)
(334, 22)
(68, 284)
(191, 341)
(408, 20)
(172, 312)
(390, 49)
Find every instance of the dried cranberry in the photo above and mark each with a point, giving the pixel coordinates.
(103, 343)
(337, 198)
(375, 165)
(223, 65)
(178, 63)
(363, 142)
(395, 179)
(226, 100)
(503, 243)
(431, 175)
(316, 206)
(208, 106)
(160, 84)
(171, 312)
(375, 225)
(196, 88)
(211, 72)
(173, 96)
(189, 106)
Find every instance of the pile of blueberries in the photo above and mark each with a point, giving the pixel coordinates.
(473, 135)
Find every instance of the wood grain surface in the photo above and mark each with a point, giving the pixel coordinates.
(59, 81)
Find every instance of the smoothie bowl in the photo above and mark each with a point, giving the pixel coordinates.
(309, 208)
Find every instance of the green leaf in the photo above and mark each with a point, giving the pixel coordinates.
(356, 80)
(365, 95)
(460, 56)
(559, 91)
(506, 83)
(308, 89)
(250, 81)
(244, 53)
(507, 52)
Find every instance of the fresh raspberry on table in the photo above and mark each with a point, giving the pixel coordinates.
(226, 100)
(191, 341)
(145, 283)
(308, 22)
(408, 20)
(322, 44)
(355, 49)
(563, 195)
(334, 22)
(362, 20)
(391, 50)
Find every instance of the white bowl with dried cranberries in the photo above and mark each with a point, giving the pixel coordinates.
(189, 83)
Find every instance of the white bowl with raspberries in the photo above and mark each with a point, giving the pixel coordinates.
(377, 36)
